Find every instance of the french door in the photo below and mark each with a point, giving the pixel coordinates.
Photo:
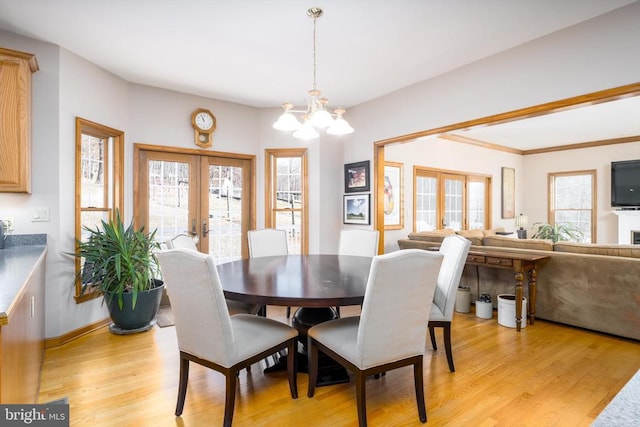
(208, 196)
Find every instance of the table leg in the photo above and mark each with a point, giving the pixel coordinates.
(519, 280)
(533, 276)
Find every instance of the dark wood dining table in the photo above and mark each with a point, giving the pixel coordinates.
(315, 283)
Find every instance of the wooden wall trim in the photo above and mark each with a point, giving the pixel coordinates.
(76, 333)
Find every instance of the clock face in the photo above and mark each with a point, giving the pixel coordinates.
(204, 121)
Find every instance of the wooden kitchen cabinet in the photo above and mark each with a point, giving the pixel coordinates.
(15, 120)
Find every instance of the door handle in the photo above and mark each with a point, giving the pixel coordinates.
(193, 232)
(205, 231)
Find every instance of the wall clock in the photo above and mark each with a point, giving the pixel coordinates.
(204, 123)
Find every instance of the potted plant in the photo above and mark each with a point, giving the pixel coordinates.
(484, 306)
(121, 264)
(557, 232)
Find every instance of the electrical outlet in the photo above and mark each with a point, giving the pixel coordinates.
(8, 224)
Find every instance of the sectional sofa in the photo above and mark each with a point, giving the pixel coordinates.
(591, 286)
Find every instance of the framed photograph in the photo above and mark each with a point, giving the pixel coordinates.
(393, 196)
(357, 209)
(508, 193)
(356, 177)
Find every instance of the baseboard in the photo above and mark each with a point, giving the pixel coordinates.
(76, 333)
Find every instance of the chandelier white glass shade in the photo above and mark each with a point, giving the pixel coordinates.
(316, 115)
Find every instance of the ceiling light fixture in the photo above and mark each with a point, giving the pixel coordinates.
(316, 114)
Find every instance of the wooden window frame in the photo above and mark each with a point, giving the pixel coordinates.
(439, 175)
(270, 155)
(114, 179)
(551, 211)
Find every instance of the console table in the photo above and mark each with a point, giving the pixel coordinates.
(520, 263)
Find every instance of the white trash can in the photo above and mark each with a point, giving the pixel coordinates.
(507, 311)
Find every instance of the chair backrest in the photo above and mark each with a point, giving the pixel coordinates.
(203, 324)
(358, 242)
(267, 242)
(454, 248)
(182, 241)
(397, 303)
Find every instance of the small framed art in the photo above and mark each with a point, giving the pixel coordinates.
(393, 203)
(508, 193)
(356, 177)
(356, 209)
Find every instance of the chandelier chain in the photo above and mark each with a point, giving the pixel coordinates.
(314, 53)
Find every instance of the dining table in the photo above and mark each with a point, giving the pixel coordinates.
(315, 283)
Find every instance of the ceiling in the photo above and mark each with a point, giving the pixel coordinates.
(259, 52)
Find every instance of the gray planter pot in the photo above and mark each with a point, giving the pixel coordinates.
(141, 318)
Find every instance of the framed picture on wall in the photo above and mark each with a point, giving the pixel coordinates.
(356, 209)
(508, 193)
(356, 177)
(393, 196)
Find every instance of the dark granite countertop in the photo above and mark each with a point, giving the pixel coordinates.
(17, 262)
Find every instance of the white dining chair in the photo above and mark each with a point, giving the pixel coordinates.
(359, 242)
(268, 242)
(209, 336)
(184, 241)
(392, 329)
(455, 249)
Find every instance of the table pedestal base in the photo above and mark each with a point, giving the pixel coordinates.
(329, 372)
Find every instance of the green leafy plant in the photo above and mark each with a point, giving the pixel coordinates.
(557, 232)
(118, 259)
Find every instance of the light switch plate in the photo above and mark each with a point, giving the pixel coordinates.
(40, 215)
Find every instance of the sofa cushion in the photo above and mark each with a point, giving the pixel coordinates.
(493, 231)
(508, 242)
(430, 236)
(628, 251)
(475, 236)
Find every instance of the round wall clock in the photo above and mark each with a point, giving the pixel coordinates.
(204, 123)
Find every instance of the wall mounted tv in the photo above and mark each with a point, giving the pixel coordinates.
(625, 184)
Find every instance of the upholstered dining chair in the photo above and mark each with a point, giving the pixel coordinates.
(392, 329)
(184, 241)
(208, 335)
(268, 242)
(358, 243)
(454, 248)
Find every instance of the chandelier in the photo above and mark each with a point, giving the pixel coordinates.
(315, 116)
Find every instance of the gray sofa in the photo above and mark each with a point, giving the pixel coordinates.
(590, 286)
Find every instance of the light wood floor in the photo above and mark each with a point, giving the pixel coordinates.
(547, 375)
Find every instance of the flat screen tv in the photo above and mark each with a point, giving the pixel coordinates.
(625, 184)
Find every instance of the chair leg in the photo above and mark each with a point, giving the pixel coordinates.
(447, 346)
(312, 355)
(418, 382)
(182, 385)
(338, 311)
(230, 398)
(288, 312)
(432, 335)
(360, 399)
(292, 368)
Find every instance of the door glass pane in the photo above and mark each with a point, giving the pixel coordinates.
(426, 199)
(289, 200)
(475, 212)
(453, 204)
(225, 213)
(168, 198)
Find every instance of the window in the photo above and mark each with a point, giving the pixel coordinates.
(452, 200)
(572, 201)
(286, 195)
(99, 182)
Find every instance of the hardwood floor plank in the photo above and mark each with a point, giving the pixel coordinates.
(546, 375)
